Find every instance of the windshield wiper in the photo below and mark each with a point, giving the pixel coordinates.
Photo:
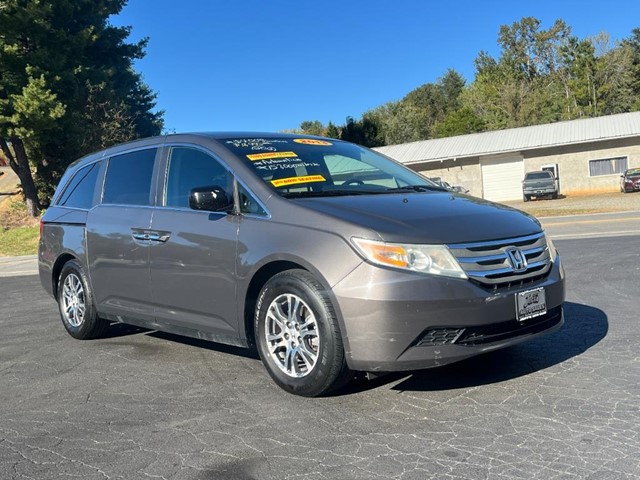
(340, 192)
(326, 193)
(418, 188)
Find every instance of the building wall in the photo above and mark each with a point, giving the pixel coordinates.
(465, 172)
(572, 160)
(573, 164)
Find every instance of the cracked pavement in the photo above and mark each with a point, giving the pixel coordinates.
(148, 405)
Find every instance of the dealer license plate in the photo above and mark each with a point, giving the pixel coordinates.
(530, 303)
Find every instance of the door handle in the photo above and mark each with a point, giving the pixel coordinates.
(140, 235)
(156, 236)
(150, 235)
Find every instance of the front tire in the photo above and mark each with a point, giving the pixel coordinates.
(76, 305)
(298, 336)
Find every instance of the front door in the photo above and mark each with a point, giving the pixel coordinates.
(193, 256)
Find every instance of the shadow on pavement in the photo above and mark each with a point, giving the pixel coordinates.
(116, 330)
(206, 344)
(584, 327)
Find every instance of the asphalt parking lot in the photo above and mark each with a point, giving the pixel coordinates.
(149, 405)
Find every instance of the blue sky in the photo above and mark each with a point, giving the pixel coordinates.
(268, 65)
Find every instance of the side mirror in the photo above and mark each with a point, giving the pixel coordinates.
(211, 198)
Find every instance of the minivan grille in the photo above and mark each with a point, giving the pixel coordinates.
(500, 263)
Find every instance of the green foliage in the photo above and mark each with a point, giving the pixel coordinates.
(19, 241)
(313, 127)
(518, 89)
(36, 111)
(633, 43)
(332, 131)
(418, 115)
(459, 122)
(363, 132)
(67, 83)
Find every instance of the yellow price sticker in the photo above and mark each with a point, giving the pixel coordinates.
(266, 156)
(282, 182)
(311, 141)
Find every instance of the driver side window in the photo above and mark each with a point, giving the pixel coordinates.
(188, 169)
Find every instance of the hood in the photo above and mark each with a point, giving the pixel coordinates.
(432, 218)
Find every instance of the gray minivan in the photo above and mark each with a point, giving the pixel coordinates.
(327, 257)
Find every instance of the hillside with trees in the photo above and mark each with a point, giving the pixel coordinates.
(540, 76)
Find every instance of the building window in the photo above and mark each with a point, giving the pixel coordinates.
(607, 166)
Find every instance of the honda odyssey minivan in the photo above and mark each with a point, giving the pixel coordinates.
(327, 257)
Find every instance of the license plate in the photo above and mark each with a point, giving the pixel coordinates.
(530, 303)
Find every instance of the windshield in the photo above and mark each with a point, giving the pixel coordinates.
(314, 167)
(633, 172)
(538, 175)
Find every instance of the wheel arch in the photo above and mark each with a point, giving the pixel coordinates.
(57, 269)
(259, 279)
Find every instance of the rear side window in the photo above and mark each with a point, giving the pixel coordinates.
(128, 180)
(190, 168)
(79, 191)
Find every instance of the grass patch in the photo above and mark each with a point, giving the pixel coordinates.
(19, 232)
(19, 241)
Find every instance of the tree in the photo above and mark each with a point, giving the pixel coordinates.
(67, 87)
(363, 132)
(399, 122)
(597, 78)
(519, 89)
(312, 127)
(416, 116)
(332, 131)
(633, 43)
(459, 122)
(614, 76)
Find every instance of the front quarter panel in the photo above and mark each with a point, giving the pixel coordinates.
(262, 242)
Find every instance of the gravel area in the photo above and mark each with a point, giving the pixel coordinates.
(575, 205)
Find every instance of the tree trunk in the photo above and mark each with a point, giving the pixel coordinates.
(19, 163)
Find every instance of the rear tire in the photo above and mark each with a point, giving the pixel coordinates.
(76, 304)
(298, 336)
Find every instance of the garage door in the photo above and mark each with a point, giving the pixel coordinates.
(502, 178)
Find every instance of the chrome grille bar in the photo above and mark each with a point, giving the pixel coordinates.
(487, 262)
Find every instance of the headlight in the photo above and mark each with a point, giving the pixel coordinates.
(553, 253)
(431, 259)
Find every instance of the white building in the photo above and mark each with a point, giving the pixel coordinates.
(589, 156)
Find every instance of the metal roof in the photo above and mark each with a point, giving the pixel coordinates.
(517, 139)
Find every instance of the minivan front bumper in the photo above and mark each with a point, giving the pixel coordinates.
(396, 321)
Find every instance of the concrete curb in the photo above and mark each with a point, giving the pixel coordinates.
(18, 266)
